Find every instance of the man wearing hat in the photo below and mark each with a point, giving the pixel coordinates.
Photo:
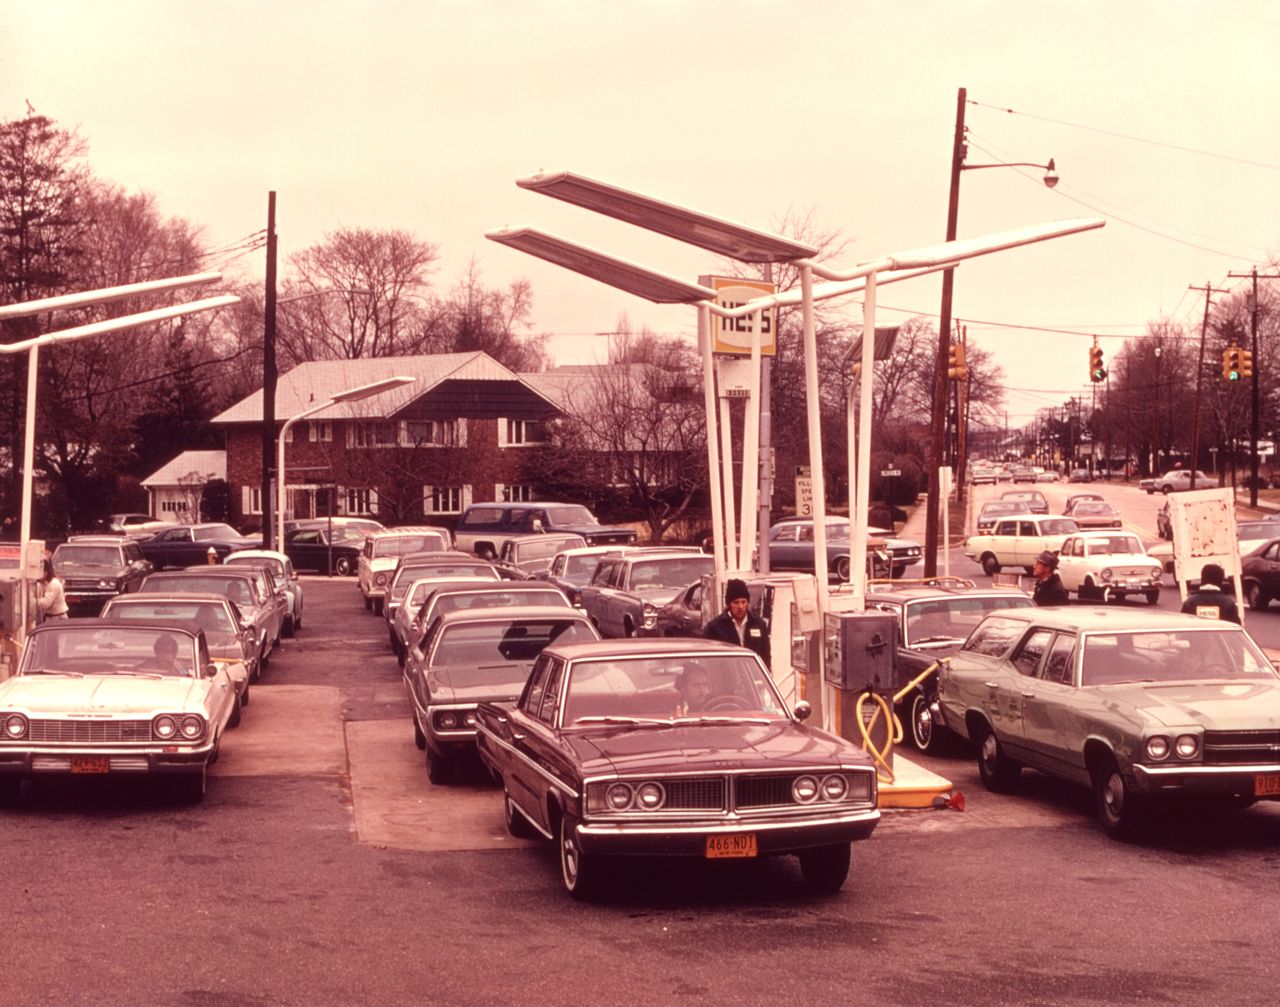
(739, 624)
(1049, 589)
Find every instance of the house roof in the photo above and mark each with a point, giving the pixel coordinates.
(318, 380)
(192, 466)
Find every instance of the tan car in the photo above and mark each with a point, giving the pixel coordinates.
(382, 551)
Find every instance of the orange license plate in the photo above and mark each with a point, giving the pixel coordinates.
(90, 764)
(1267, 785)
(743, 845)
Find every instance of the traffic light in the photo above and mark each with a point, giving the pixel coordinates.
(1231, 363)
(1246, 364)
(1096, 371)
(956, 368)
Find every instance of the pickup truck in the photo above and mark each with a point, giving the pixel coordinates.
(626, 591)
(189, 544)
(484, 527)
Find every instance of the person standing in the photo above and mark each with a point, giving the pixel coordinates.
(1049, 589)
(52, 602)
(738, 624)
(1209, 600)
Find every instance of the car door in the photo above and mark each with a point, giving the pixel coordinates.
(1050, 710)
(1027, 543)
(533, 738)
(1071, 563)
(1007, 691)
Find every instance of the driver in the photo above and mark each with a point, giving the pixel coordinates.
(166, 650)
(694, 686)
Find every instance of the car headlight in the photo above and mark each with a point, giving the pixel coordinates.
(650, 616)
(164, 727)
(618, 797)
(834, 787)
(804, 790)
(447, 720)
(15, 726)
(650, 796)
(1187, 746)
(1106, 573)
(110, 583)
(192, 727)
(1158, 748)
(469, 719)
(379, 580)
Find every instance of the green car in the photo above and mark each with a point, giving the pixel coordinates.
(1138, 705)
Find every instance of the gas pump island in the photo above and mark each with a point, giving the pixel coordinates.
(826, 648)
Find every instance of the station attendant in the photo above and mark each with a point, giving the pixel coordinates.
(738, 624)
(1210, 601)
(1049, 588)
(52, 601)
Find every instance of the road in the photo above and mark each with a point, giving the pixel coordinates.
(323, 868)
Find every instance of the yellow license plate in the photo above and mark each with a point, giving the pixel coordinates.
(1267, 785)
(90, 764)
(742, 845)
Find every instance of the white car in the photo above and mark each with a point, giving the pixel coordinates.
(382, 551)
(1177, 480)
(286, 576)
(1108, 565)
(94, 697)
(1018, 540)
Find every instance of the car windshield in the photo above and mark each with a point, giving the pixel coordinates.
(421, 587)
(571, 515)
(1093, 507)
(666, 688)
(212, 532)
(537, 552)
(444, 571)
(235, 588)
(402, 545)
(670, 573)
(86, 555)
(996, 509)
(274, 565)
(210, 617)
(1184, 655)
(580, 565)
(486, 649)
(1116, 545)
(110, 650)
(949, 619)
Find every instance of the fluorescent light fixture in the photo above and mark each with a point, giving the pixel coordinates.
(373, 388)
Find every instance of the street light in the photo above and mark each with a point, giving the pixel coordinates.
(350, 395)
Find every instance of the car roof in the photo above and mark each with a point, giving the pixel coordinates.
(642, 647)
(511, 612)
(1102, 533)
(112, 539)
(191, 572)
(922, 593)
(491, 586)
(89, 623)
(526, 504)
(598, 550)
(441, 558)
(158, 598)
(1098, 619)
(257, 554)
(547, 536)
(410, 530)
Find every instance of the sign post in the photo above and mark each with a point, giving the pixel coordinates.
(804, 492)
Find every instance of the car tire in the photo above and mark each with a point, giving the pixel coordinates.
(517, 824)
(1153, 597)
(343, 566)
(999, 772)
(264, 656)
(990, 565)
(439, 770)
(825, 867)
(377, 606)
(924, 732)
(1119, 809)
(10, 790)
(579, 871)
(1256, 597)
(189, 788)
(234, 719)
(1166, 489)
(842, 569)
(419, 739)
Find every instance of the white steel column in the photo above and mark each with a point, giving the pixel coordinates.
(713, 461)
(726, 462)
(813, 414)
(751, 453)
(861, 503)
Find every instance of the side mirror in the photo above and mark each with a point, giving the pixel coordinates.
(803, 710)
(210, 670)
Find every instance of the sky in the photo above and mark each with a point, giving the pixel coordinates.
(421, 116)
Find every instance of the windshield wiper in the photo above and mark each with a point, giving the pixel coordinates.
(649, 721)
(724, 720)
(55, 671)
(936, 639)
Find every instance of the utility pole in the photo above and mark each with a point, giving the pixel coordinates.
(1209, 291)
(1253, 424)
(269, 378)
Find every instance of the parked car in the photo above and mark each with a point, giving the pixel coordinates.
(483, 528)
(382, 551)
(1018, 540)
(993, 510)
(933, 622)
(475, 656)
(188, 544)
(1138, 705)
(626, 591)
(96, 568)
(903, 552)
(1046, 476)
(138, 525)
(571, 569)
(981, 476)
(401, 627)
(1177, 480)
(286, 577)
(1107, 566)
(1032, 501)
(1023, 474)
(450, 565)
(94, 697)
(1080, 476)
(1260, 574)
(638, 773)
(240, 585)
(1095, 514)
(791, 548)
(231, 641)
(443, 597)
(320, 550)
(525, 556)
(363, 525)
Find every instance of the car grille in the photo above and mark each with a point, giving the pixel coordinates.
(709, 793)
(1241, 747)
(73, 584)
(88, 732)
(695, 794)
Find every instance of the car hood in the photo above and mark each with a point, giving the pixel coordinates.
(90, 571)
(715, 747)
(657, 596)
(1214, 705)
(106, 694)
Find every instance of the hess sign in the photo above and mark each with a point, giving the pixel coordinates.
(733, 335)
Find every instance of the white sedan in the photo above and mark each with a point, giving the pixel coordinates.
(1108, 565)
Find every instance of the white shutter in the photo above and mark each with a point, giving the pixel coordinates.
(246, 500)
(460, 425)
(426, 500)
(373, 502)
(350, 430)
(340, 504)
(498, 490)
(466, 496)
(502, 434)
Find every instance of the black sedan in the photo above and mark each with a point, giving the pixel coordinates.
(189, 544)
(322, 550)
(1261, 575)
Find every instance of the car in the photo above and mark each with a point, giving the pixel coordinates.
(1018, 540)
(138, 525)
(183, 545)
(1108, 565)
(525, 556)
(995, 509)
(903, 552)
(242, 585)
(933, 622)
(363, 525)
(1249, 536)
(382, 551)
(98, 697)
(96, 568)
(450, 596)
(1046, 476)
(450, 565)
(1032, 501)
(323, 550)
(980, 476)
(232, 642)
(571, 569)
(638, 773)
(1023, 474)
(483, 528)
(791, 547)
(1260, 574)
(626, 591)
(473, 656)
(1095, 514)
(1177, 480)
(403, 624)
(682, 615)
(1140, 706)
(1080, 476)
(286, 577)
(1164, 524)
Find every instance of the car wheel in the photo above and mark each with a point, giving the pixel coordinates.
(189, 788)
(419, 738)
(842, 569)
(628, 629)
(517, 824)
(368, 604)
(377, 606)
(439, 770)
(10, 789)
(234, 720)
(264, 656)
(922, 726)
(990, 565)
(825, 867)
(343, 566)
(1118, 807)
(999, 772)
(1153, 597)
(579, 871)
(1256, 597)
(1166, 490)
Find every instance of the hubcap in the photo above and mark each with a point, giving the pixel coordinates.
(989, 752)
(568, 856)
(923, 721)
(1113, 795)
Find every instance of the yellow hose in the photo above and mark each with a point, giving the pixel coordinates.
(880, 756)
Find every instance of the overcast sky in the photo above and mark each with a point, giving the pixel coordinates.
(421, 116)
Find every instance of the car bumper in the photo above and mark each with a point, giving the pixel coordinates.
(689, 838)
(89, 599)
(1208, 781)
(149, 761)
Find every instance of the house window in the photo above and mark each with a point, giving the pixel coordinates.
(319, 430)
(513, 494)
(175, 506)
(359, 500)
(251, 500)
(445, 499)
(516, 433)
(433, 433)
(373, 434)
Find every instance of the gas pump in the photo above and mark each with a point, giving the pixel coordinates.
(15, 576)
(858, 660)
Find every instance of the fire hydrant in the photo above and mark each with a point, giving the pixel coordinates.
(211, 557)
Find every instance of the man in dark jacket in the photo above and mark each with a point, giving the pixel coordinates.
(739, 624)
(1210, 601)
(1049, 588)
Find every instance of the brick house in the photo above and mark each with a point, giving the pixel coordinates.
(463, 431)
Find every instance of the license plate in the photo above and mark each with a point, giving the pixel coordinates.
(72, 599)
(741, 845)
(90, 764)
(1266, 786)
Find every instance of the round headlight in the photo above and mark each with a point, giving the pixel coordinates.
(804, 790)
(164, 727)
(192, 727)
(107, 582)
(469, 719)
(618, 796)
(1157, 748)
(379, 580)
(1187, 746)
(834, 787)
(15, 726)
(1106, 573)
(448, 720)
(651, 796)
